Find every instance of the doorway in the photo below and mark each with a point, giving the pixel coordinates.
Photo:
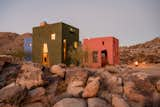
(104, 58)
(45, 58)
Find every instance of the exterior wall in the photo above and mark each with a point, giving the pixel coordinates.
(99, 44)
(71, 35)
(42, 34)
(28, 49)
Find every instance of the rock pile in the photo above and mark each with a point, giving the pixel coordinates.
(29, 85)
(12, 42)
(147, 52)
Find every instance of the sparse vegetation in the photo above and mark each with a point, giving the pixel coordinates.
(78, 55)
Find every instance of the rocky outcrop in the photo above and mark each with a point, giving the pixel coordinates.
(75, 88)
(32, 85)
(12, 94)
(12, 42)
(158, 85)
(117, 101)
(97, 102)
(148, 52)
(71, 102)
(91, 88)
(29, 76)
(56, 69)
(37, 104)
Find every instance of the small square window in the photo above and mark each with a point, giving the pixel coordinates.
(53, 36)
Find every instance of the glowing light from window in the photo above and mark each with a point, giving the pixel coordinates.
(45, 48)
(30, 44)
(75, 44)
(53, 36)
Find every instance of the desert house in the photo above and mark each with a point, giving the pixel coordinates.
(28, 48)
(101, 51)
(51, 43)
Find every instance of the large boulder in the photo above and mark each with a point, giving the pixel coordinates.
(111, 81)
(29, 76)
(91, 88)
(8, 74)
(158, 85)
(71, 102)
(12, 93)
(115, 84)
(117, 101)
(112, 69)
(56, 69)
(156, 99)
(97, 102)
(131, 93)
(36, 94)
(75, 88)
(7, 105)
(76, 79)
(76, 75)
(36, 104)
(1, 65)
(104, 94)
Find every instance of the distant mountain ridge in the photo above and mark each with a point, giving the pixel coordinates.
(148, 52)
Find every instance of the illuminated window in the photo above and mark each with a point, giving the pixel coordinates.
(72, 30)
(75, 44)
(64, 49)
(95, 56)
(45, 48)
(30, 44)
(53, 36)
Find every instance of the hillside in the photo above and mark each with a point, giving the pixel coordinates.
(145, 52)
(11, 42)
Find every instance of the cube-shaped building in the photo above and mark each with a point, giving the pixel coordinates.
(101, 51)
(51, 43)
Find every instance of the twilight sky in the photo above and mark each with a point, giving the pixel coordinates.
(131, 21)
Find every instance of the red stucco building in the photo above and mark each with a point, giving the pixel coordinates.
(101, 51)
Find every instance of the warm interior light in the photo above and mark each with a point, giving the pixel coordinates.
(136, 63)
(64, 49)
(75, 44)
(45, 48)
(30, 44)
(64, 41)
(53, 36)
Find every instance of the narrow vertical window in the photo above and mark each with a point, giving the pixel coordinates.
(95, 56)
(45, 48)
(64, 49)
(75, 44)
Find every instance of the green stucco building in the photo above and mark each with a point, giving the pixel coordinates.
(51, 43)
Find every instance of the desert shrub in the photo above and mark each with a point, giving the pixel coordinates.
(77, 55)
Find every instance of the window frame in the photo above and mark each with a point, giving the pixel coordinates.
(53, 36)
(95, 56)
